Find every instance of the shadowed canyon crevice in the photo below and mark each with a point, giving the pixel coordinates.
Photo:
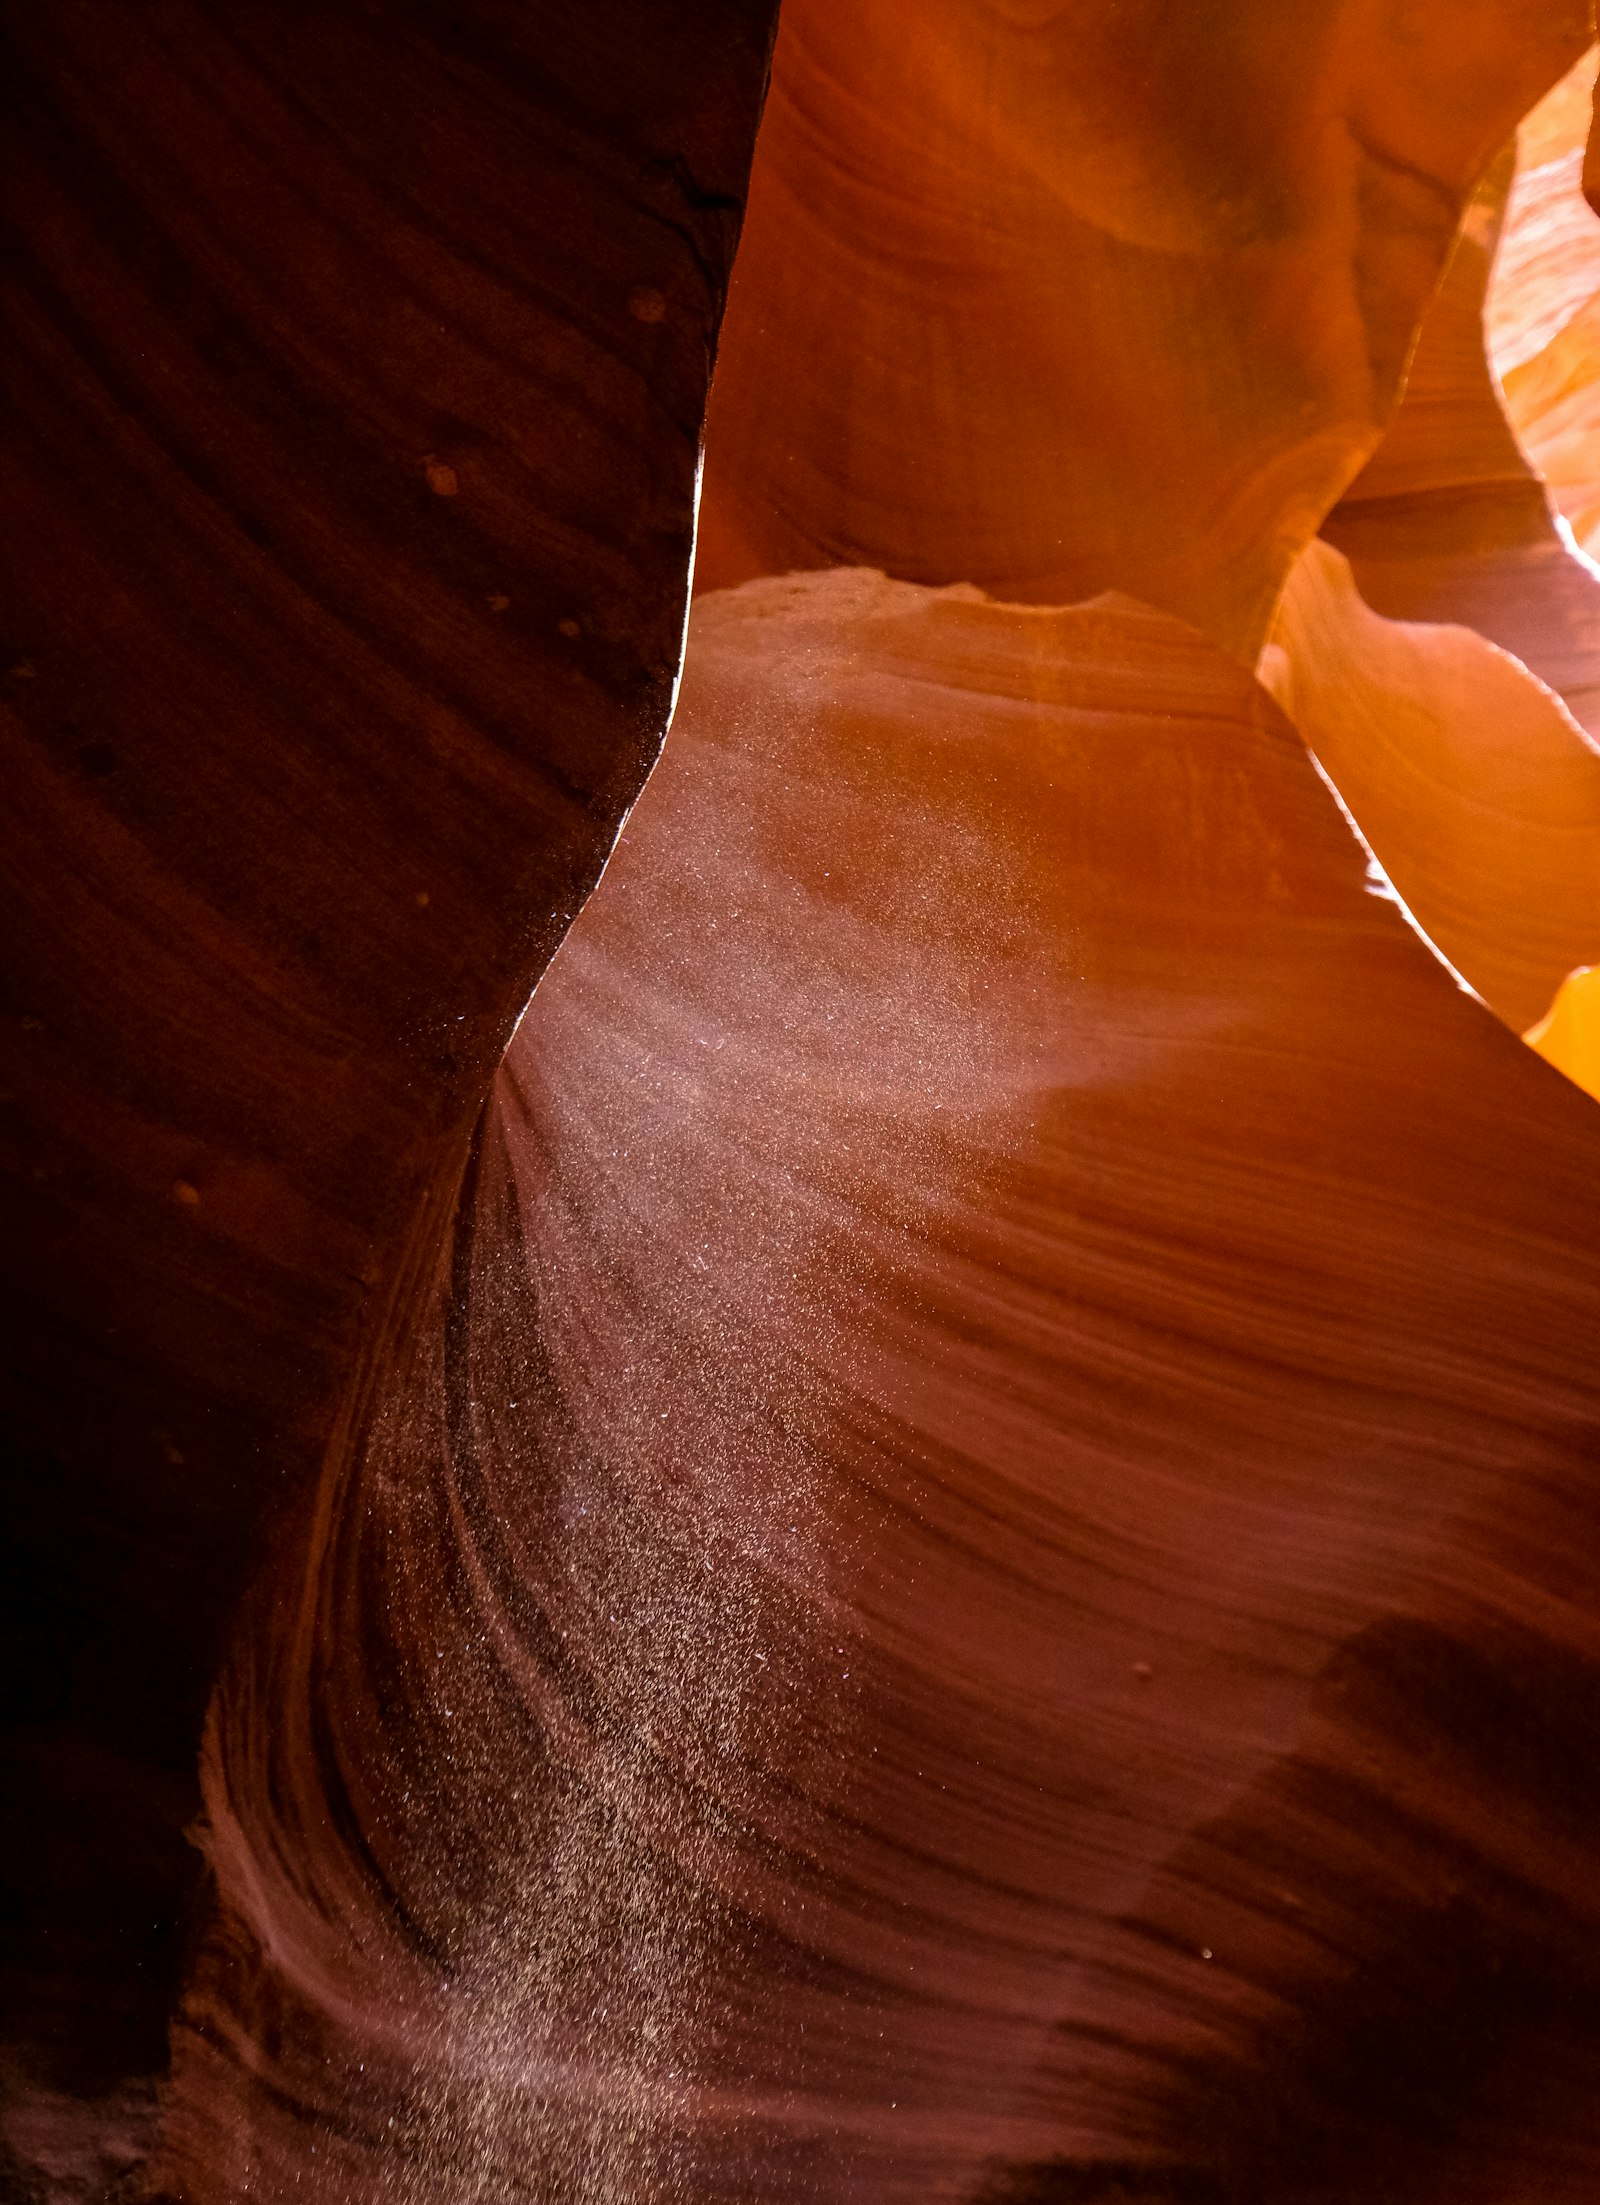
(354, 365)
(936, 1543)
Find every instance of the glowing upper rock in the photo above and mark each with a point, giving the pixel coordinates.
(1568, 1036)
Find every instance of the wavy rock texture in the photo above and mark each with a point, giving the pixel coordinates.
(1554, 404)
(1544, 313)
(1450, 520)
(1127, 304)
(987, 1587)
(353, 363)
(1547, 265)
(958, 1566)
(1475, 787)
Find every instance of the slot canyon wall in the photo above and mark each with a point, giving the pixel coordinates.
(354, 363)
(934, 1539)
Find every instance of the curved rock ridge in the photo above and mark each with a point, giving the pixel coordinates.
(1450, 520)
(353, 363)
(1555, 403)
(952, 1560)
(1547, 265)
(1477, 790)
(1568, 1036)
(1062, 298)
(980, 1579)
(1543, 309)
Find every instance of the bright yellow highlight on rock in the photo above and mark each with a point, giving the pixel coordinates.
(1568, 1036)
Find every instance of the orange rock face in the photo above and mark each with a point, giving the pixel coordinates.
(1014, 1429)
(1055, 299)
(1476, 788)
(345, 516)
(963, 1572)
(1451, 519)
(1568, 1036)
(1543, 316)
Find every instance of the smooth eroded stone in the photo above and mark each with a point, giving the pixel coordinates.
(983, 1581)
(1568, 1036)
(1458, 516)
(1476, 788)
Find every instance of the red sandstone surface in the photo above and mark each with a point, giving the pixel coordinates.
(933, 1539)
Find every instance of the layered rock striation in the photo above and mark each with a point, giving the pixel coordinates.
(933, 1541)
(982, 1586)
